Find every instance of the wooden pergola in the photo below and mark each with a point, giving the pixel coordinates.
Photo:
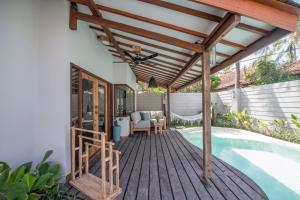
(183, 33)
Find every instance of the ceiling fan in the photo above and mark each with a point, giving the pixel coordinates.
(137, 59)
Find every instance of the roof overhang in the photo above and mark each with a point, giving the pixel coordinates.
(179, 31)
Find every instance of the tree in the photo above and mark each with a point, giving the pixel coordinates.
(197, 87)
(267, 72)
(143, 87)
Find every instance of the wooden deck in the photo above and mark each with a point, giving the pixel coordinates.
(167, 166)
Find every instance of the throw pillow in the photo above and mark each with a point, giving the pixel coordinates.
(136, 117)
(145, 116)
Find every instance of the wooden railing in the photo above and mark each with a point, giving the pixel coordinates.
(80, 161)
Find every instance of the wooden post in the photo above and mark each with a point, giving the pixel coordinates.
(87, 158)
(169, 108)
(73, 154)
(103, 166)
(80, 156)
(207, 168)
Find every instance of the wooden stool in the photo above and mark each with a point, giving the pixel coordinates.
(158, 125)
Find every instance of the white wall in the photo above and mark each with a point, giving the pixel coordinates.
(35, 54)
(149, 102)
(90, 54)
(124, 75)
(18, 68)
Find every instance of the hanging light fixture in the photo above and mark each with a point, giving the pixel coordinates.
(213, 56)
(152, 83)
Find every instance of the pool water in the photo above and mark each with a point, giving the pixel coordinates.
(273, 164)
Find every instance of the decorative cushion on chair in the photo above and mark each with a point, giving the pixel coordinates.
(145, 115)
(136, 117)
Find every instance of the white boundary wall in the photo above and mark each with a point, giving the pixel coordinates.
(267, 102)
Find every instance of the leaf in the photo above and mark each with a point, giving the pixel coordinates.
(17, 174)
(29, 180)
(42, 182)
(43, 168)
(4, 176)
(3, 166)
(34, 196)
(47, 155)
(12, 191)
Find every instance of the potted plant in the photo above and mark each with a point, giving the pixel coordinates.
(157, 117)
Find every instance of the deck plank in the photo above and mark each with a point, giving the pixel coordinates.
(241, 187)
(188, 187)
(143, 185)
(127, 168)
(165, 186)
(176, 185)
(195, 180)
(167, 166)
(154, 187)
(132, 186)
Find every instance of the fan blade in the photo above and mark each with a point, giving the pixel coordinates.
(128, 54)
(149, 57)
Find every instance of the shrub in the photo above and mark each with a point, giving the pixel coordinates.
(295, 121)
(26, 184)
(277, 128)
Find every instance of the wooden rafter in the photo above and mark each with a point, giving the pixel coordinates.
(145, 43)
(203, 15)
(164, 24)
(227, 24)
(278, 14)
(264, 41)
(93, 7)
(139, 31)
(187, 66)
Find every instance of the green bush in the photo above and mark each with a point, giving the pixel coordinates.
(295, 121)
(277, 128)
(23, 183)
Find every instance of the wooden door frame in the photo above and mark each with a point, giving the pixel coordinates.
(108, 94)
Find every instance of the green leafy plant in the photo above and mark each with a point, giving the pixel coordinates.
(295, 121)
(157, 118)
(243, 120)
(23, 183)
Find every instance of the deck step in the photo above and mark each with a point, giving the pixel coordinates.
(91, 186)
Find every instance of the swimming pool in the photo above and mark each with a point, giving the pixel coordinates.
(273, 164)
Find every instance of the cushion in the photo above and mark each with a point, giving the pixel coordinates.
(143, 124)
(145, 116)
(136, 117)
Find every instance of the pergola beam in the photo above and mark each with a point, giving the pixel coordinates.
(93, 7)
(278, 13)
(263, 42)
(187, 67)
(227, 24)
(203, 15)
(164, 24)
(145, 43)
(139, 31)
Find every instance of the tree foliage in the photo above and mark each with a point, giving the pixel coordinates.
(143, 87)
(197, 87)
(267, 72)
